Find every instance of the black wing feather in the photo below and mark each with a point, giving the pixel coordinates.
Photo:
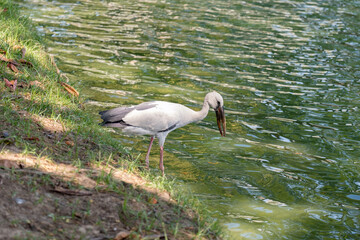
(114, 117)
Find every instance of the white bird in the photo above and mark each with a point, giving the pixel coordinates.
(158, 118)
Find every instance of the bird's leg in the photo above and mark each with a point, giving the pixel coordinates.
(148, 152)
(161, 164)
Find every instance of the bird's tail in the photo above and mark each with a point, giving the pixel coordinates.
(102, 113)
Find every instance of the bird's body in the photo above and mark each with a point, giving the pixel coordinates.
(151, 118)
(158, 118)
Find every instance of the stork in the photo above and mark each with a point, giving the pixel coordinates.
(159, 118)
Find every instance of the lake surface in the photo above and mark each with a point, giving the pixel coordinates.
(289, 73)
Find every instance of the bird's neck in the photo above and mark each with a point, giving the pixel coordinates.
(189, 115)
(200, 115)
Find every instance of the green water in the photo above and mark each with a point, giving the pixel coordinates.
(289, 73)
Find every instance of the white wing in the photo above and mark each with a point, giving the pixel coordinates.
(163, 116)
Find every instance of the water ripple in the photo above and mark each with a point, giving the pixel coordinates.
(288, 71)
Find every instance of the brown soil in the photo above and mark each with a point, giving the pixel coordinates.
(44, 200)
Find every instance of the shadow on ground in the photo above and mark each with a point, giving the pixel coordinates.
(65, 184)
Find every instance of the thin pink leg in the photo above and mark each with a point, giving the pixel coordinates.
(161, 164)
(148, 152)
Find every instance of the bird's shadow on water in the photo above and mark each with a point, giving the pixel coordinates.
(69, 182)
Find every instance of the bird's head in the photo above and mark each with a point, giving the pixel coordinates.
(216, 102)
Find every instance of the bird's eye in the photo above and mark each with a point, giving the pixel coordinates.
(218, 104)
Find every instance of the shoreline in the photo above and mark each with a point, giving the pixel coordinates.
(62, 175)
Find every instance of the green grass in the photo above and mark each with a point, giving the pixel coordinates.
(46, 121)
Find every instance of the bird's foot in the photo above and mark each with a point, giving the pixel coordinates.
(162, 170)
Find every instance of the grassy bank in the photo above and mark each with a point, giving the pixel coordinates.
(61, 175)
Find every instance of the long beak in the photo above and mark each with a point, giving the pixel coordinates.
(220, 118)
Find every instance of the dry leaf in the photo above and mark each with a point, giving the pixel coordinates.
(74, 192)
(4, 59)
(25, 62)
(22, 85)
(13, 68)
(36, 84)
(11, 84)
(152, 201)
(2, 51)
(7, 83)
(70, 143)
(122, 235)
(70, 89)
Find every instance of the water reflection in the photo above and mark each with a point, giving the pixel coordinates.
(288, 71)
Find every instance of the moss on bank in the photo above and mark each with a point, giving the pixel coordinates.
(63, 176)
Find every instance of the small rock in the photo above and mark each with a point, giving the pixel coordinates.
(49, 135)
(19, 201)
(89, 230)
(5, 134)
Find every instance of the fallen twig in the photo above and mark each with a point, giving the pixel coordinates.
(71, 192)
